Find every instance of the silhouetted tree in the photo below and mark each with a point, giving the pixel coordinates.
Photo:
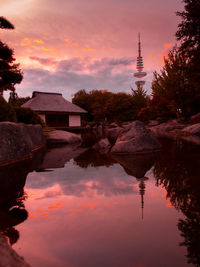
(10, 74)
(140, 98)
(103, 105)
(5, 24)
(189, 28)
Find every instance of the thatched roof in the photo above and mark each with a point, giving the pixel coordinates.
(42, 101)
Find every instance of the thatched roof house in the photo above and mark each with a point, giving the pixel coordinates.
(55, 110)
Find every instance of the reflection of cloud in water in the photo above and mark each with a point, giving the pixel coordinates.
(77, 181)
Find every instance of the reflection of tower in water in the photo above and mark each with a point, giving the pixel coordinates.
(142, 192)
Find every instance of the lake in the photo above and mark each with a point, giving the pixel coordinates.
(80, 208)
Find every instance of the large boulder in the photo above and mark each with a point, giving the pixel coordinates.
(62, 137)
(135, 138)
(166, 129)
(192, 129)
(19, 140)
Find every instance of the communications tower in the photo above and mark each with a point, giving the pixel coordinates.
(140, 73)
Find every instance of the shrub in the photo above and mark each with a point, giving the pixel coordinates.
(28, 116)
(7, 112)
(157, 107)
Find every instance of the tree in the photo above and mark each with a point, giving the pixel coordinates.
(189, 29)
(180, 76)
(16, 101)
(5, 24)
(10, 74)
(103, 105)
(176, 82)
(140, 98)
(121, 107)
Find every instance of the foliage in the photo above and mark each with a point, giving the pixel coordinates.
(176, 83)
(10, 74)
(140, 98)
(7, 112)
(18, 101)
(106, 106)
(189, 29)
(121, 107)
(28, 116)
(180, 76)
(5, 24)
(157, 107)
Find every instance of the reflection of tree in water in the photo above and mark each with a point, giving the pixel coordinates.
(178, 170)
(94, 159)
(12, 213)
(12, 196)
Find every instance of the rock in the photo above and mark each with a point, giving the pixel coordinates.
(8, 257)
(113, 125)
(192, 129)
(19, 140)
(103, 146)
(62, 137)
(195, 119)
(135, 138)
(153, 123)
(166, 129)
(113, 133)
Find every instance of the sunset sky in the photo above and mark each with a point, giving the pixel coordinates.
(64, 46)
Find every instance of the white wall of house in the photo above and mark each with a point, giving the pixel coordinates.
(74, 120)
(42, 116)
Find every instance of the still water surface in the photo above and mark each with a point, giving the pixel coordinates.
(94, 210)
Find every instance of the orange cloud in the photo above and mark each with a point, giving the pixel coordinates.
(37, 44)
(71, 43)
(51, 50)
(86, 49)
(28, 42)
(167, 45)
(164, 53)
(38, 41)
(169, 205)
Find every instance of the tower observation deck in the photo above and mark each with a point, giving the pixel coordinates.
(139, 66)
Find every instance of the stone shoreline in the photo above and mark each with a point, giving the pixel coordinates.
(19, 142)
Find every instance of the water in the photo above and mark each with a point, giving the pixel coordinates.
(84, 209)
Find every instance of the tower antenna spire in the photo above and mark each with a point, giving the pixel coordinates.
(139, 45)
(139, 66)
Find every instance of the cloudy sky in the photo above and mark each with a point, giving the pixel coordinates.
(65, 46)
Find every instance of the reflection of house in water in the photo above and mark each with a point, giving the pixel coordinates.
(55, 110)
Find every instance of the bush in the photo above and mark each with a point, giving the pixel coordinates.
(7, 112)
(28, 116)
(157, 107)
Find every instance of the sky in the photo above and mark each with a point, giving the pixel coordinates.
(65, 46)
